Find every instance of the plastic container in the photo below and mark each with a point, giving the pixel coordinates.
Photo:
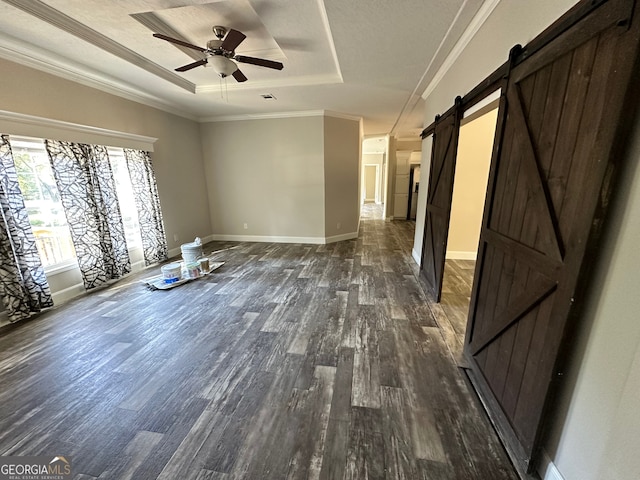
(171, 272)
(191, 252)
(192, 269)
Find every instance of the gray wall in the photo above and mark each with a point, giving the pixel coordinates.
(268, 174)
(342, 145)
(595, 432)
(288, 179)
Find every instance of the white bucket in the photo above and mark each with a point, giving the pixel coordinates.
(171, 272)
(191, 252)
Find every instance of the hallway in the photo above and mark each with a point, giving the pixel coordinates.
(291, 361)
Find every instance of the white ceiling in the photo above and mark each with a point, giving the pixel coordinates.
(362, 58)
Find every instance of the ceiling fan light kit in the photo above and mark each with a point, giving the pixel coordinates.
(222, 65)
(220, 54)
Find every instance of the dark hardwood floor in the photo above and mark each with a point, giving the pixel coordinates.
(451, 313)
(291, 361)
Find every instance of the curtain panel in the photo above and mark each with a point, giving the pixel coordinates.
(88, 193)
(145, 191)
(23, 285)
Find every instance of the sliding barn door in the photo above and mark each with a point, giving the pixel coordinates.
(441, 173)
(548, 188)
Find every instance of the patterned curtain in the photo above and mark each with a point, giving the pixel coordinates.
(145, 191)
(23, 284)
(88, 194)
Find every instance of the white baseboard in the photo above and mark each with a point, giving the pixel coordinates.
(207, 239)
(268, 239)
(284, 239)
(68, 293)
(340, 238)
(176, 252)
(137, 266)
(461, 255)
(416, 256)
(547, 469)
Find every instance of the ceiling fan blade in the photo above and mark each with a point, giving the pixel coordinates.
(178, 42)
(261, 62)
(239, 76)
(232, 40)
(195, 64)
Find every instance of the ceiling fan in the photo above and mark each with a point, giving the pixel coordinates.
(220, 54)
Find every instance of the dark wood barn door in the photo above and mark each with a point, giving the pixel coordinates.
(441, 173)
(548, 188)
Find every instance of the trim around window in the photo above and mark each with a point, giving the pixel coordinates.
(72, 263)
(61, 267)
(40, 127)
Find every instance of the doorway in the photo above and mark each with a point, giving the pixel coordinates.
(371, 190)
(414, 186)
(475, 145)
(373, 172)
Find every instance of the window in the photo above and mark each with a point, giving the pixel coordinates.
(126, 199)
(41, 198)
(45, 210)
(44, 207)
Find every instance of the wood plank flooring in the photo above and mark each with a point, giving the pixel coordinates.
(290, 362)
(452, 311)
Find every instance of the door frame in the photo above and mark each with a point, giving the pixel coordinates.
(376, 192)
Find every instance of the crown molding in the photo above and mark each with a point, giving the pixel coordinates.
(263, 116)
(272, 115)
(478, 20)
(344, 116)
(58, 19)
(414, 98)
(46, 61)
(33, 120)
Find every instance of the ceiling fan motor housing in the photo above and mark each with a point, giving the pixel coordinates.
(214, 46)
(219, 31)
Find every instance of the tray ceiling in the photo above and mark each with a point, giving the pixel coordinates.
(362, 58)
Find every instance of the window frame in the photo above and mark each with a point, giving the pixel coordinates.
(30, 143)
